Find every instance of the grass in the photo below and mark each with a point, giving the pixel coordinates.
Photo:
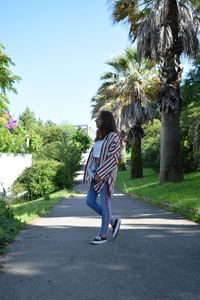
(184, 197)
(29, 210)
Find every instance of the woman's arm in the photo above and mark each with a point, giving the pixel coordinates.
(111, 160)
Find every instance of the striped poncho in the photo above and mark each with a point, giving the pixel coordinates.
(107, 169)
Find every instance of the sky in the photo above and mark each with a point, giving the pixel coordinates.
(59, 48)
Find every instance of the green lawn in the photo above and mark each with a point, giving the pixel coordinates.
(185, 195)
(30, 210)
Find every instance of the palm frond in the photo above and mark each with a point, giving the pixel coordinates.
(189, 30)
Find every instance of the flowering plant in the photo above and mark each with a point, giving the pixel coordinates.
(7, 121)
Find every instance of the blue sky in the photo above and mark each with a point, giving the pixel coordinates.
(59, 48)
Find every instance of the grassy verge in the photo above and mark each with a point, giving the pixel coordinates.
(29, 210)
(183, 197)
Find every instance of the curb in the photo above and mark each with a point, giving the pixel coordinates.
(162, 204)
(147, 199)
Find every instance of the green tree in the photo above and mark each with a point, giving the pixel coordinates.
(54, 133)
(164, 30)
(9, 142)
(27, 119)
(151, 145)
(128, 89)
(82, 138)
(49, 123)
(3, 102)
(190, 119)
(7, 78)
(69, 154)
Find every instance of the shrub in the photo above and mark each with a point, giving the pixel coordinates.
(10, 142)
(151, 145)
(18, 191)
(9, 225)
(82, 137)
(190, 137)
(69, 154)
(40, 179)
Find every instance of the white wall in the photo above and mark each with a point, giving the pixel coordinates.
(11, 166)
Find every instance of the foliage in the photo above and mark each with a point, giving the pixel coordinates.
(148, 23)
(13, 136)
(190, 119)
(151, 145)
(18, 193)
(82, 138)
(164, 30)
(69, 153)
(128, 89)
(39, 180)
(11, 142)
(3, 102)
(190, 87)
(35, 142)
(54, 133)
(9, 225)
(190, 130)
(27, 119)
(28, 210)
(183, 196)
(56, 169)
(7, 121)
(7, 78)
(50, 123)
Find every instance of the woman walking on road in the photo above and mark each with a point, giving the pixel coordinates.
(100, 174)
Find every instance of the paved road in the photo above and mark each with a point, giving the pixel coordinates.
(155, 257)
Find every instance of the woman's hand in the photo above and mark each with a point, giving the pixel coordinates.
(97, 178)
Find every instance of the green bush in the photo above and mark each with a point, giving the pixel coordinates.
(190, 137)
(82, 137)
(58, 172)
(40, 179)
(151, 145)
(190, 119)
(9, 226)
(55, 133)
(10, 142)
(69, 154)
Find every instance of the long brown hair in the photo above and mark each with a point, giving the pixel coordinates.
(107, 126)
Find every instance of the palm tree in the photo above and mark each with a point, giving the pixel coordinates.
(128, 90)
(164, 30)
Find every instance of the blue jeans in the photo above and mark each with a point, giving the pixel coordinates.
(103, 208)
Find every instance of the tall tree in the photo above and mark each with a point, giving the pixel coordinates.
(27, 119)
(128, 89)
(164, 31)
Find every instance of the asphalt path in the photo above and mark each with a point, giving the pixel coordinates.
(156, 255)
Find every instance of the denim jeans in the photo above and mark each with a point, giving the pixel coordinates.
(103, 207)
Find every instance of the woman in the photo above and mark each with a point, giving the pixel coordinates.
(100, 173)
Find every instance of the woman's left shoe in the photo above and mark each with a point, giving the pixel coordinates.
(115, 228)
(99, 240)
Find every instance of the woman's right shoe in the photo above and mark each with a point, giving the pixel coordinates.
(116, 227)
(99, 240)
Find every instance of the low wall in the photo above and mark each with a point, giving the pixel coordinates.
(11, 166)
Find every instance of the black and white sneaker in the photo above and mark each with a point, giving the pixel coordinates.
(116, 227)
(99, 240)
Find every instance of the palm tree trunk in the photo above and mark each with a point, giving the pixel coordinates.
(170, 152)
(122, 157)
(136, 159)
(170, 104)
